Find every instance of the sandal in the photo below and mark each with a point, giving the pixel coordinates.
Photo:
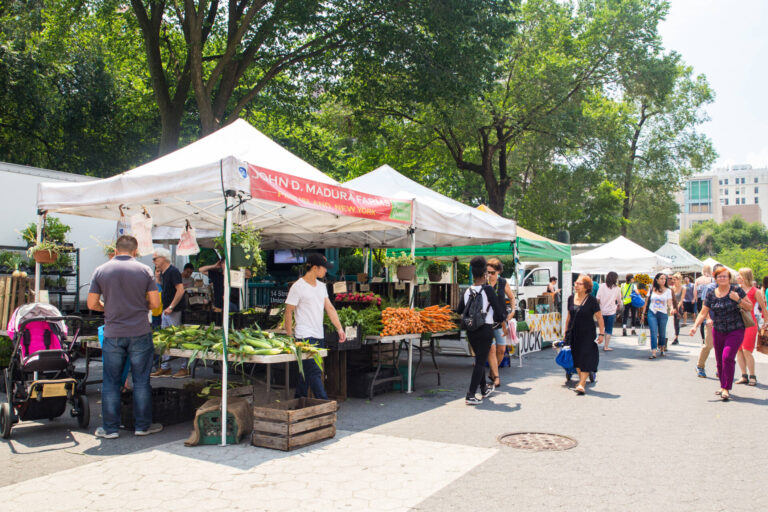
(725, 395)
(719, 392)
(652, 357)
(743, 380)
(579, 390)
(753, 380)
(494, 379)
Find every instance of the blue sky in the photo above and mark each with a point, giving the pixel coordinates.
(727, 40)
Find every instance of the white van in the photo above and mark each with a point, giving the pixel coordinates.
(533, 279)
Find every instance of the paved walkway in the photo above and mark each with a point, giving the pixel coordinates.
(650, 434)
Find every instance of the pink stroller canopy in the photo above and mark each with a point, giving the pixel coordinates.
(35, 309)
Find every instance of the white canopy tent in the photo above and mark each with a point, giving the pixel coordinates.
(621, 255)
(712, 262)
(189, 185)
(236, 171)
(438, 221)
(682, 260)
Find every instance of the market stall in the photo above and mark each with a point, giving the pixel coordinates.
(681, 260)
(237, 175)
(620, 255)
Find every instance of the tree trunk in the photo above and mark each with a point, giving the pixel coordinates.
(170, 122)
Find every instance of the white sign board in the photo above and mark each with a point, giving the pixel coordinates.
(530, 341)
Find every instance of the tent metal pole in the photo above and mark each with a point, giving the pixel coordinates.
(225, 325)
(40, 220)
(412, 303)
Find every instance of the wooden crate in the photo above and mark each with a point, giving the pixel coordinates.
(295, 423)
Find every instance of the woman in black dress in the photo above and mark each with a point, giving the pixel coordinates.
(583, 310)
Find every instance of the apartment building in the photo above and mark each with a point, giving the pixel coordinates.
(723, 193)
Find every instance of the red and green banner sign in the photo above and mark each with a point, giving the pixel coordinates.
(284, 188)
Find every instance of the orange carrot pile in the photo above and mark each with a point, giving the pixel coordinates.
(437, 319)
(401, 321)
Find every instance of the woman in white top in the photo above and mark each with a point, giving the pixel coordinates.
(480, 337)
(609, 297)
(657, 308)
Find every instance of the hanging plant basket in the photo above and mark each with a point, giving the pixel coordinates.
(46, 257)
(435, 276)
(238, 258)
(406, 272)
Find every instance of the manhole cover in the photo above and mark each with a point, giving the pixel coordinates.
(537, 441)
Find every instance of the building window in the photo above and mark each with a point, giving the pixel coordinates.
(755, 180)
(719, 182)
(726, 201)
(737, 191)
(699, 196)
(726, 181)
(726, 191)
(756, 189)
(755, 199)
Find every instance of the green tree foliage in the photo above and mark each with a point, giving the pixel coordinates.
(756, 259)
(65, 106)
(518, 120)
(711, 239)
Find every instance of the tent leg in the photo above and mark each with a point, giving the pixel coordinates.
(40, 221)
(225, 325)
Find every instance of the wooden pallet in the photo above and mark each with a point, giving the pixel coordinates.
(14, 292)
(295, 423)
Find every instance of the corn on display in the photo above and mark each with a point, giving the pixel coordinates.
(243, 343)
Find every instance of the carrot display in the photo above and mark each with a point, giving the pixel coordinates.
(437, 319)
(401, 321)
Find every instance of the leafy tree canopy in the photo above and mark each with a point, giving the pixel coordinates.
(710, 238)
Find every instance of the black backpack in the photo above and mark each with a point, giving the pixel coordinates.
(473, 316)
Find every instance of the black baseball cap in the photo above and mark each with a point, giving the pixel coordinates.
(317, 260)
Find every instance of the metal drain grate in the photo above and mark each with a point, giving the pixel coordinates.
(538, 441)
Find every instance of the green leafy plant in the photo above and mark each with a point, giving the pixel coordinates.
(248, 239)
(400, 259)
(54, 230)
(436, 267)
(6, 348)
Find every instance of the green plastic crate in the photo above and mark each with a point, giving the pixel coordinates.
(209, 424)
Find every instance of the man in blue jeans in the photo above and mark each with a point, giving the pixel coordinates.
(307, 299)
(129, 291)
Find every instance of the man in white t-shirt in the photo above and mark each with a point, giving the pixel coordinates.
(307, 299)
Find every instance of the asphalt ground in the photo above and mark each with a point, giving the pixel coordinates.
(649, 433)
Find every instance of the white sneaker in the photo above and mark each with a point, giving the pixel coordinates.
(473, 400)
(154, 428)
(100, 432)
(490, 389)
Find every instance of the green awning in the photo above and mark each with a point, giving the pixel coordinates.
(535, 248)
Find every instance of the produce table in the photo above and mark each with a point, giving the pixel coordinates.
(266, 360)
(399, 339)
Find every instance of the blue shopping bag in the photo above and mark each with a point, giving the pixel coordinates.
(565, 358)
(637, 300)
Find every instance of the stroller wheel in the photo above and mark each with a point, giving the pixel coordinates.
(6, 420)
(83, 411)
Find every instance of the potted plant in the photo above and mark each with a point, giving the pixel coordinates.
(405, 266)
(435, 270)
(246, 247)
(54, 240)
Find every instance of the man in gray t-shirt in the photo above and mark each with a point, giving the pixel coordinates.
(129, 291)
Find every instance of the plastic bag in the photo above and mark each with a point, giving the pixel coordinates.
(642, 337)
(123, 228)
(141, 228)
(512, 332)
(187, 242)
(565, 358)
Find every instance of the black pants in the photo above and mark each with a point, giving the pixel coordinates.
(480, 341)
(677, 325)
(629, 311)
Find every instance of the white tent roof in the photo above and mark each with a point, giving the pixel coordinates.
(188, 184)
(621, 255)
(439, 221)
(712, 262)
(682, 260)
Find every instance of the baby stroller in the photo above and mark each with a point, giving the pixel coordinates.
(40, 378)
